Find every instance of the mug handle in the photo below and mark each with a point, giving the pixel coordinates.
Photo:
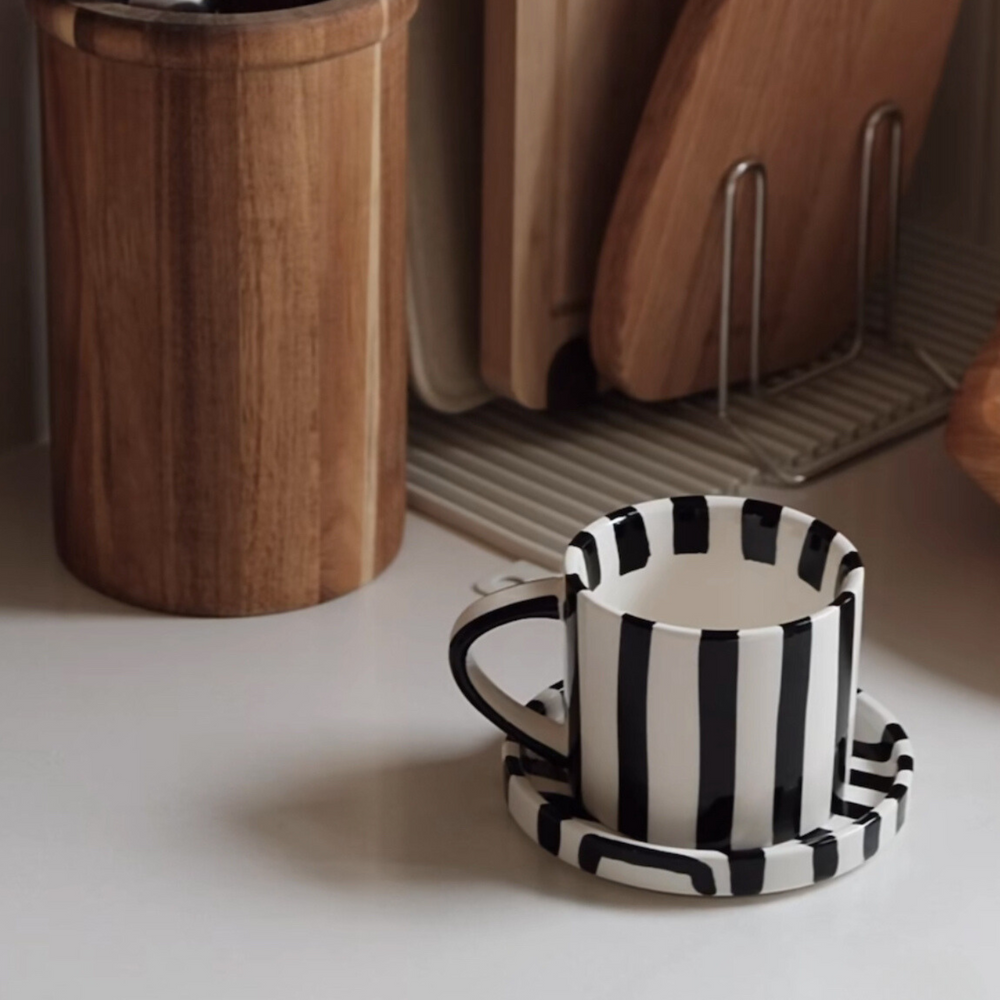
(534, 599)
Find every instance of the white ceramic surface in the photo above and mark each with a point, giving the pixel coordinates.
(303, 806)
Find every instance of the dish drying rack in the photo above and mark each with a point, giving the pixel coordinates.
(524, 482)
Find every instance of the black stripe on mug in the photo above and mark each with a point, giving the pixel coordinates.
(631, 539)
(690, 525)
(718, 668)
(848, 565)
(815, 550)
(845, 668)
(587, 544)
(760, 531)
(633, 765)
(573, 587)
(791, 739)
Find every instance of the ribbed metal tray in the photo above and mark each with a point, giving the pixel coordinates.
(524, 482)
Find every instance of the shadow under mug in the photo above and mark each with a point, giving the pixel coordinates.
(712, 670)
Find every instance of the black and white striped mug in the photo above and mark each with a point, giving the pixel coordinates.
(712, 659)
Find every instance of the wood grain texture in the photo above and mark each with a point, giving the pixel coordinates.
(565, 84)
(787, 82)
(973, 435)
(227, 344)
(267, 39)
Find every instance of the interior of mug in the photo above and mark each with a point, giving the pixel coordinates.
(712, 562)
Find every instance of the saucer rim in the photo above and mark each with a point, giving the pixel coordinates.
(846, 842)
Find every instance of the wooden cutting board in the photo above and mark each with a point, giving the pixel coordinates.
(445, 192)
(973, 436)
(788, 82)
(565, 85)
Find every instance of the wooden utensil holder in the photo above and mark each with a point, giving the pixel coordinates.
(225, 199)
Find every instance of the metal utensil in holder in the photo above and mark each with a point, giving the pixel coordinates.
(885, 114)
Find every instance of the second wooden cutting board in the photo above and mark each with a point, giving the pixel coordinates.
(788, 82)
(565, 85)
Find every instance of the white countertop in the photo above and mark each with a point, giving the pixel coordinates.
(304, 806)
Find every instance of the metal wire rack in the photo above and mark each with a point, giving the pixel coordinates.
(524, 482)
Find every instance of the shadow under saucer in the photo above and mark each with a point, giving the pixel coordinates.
(435, 822)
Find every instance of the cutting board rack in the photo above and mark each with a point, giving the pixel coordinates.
(524, 481)
(890, 116)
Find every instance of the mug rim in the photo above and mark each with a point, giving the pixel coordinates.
(850, 585)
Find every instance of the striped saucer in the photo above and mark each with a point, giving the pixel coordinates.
(538, 797)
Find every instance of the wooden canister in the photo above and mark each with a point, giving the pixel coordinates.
(225, 199)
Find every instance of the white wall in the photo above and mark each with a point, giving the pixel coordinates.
(21, 307)
(957, 188)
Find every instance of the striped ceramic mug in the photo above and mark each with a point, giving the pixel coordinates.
(713, 649)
